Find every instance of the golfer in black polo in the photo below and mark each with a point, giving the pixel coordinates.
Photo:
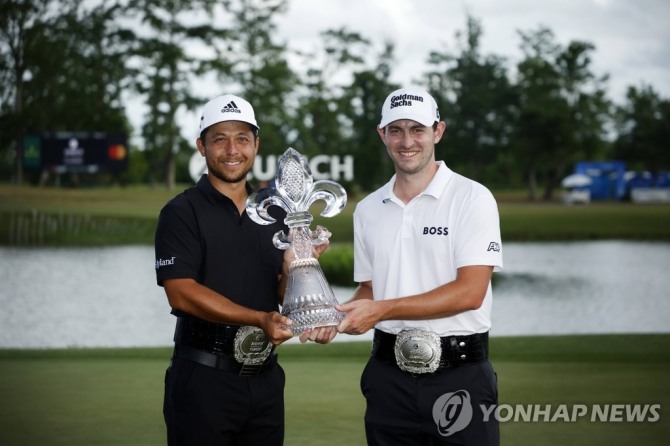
(223, 279)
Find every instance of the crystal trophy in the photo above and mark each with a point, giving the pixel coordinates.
(309, 300)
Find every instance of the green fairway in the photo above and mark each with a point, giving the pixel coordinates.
(596, 221)
(114, 396)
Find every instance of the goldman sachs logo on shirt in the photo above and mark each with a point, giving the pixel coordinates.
(166, 262)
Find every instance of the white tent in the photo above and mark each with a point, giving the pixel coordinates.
(576, 180)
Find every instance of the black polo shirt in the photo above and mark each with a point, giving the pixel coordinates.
(201, 235)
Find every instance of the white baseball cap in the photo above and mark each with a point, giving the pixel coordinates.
(410, 103)
(227, 107)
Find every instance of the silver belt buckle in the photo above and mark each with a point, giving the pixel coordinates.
(418, 351)
(252, 348)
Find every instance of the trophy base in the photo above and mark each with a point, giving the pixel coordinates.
(310, 318)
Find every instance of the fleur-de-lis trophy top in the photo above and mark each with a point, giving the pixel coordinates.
(308, 300)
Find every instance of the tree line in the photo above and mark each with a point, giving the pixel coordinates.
(73, 65)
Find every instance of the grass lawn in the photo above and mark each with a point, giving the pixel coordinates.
(95, 216)
(114, 396)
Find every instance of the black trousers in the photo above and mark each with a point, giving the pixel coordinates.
(204, 406)
(436, 409)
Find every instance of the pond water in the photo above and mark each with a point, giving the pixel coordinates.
(108, 297)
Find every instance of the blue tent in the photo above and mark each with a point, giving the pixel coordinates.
(608, 178)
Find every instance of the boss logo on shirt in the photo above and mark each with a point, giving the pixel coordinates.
(494, 246)
(432, 230)
(161, 262)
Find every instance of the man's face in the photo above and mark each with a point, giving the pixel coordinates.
(410, 145)
(229, 148)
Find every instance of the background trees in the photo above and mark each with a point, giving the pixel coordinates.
(162, 70)
(73, 66)
(478, 102)
(562, 110)
(61, 68)
(643, 128)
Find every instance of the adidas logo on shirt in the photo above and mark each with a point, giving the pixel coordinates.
(231, 107)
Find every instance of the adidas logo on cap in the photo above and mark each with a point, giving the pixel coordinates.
(231, 107)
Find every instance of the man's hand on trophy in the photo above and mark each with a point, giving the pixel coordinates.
(317, 250)
(277, 327)
(320, 335)
(361, 316)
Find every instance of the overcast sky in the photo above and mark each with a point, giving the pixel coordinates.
(632, 37)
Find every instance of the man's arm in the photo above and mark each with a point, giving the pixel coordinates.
(465, 293)
(189, 296)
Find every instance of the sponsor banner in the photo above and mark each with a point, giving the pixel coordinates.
(323, 167)
(71, 152)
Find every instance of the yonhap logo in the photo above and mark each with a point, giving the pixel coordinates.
(452, 412)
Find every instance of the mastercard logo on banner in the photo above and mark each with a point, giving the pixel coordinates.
(117, 152)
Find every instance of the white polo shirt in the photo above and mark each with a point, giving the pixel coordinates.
(407, 249)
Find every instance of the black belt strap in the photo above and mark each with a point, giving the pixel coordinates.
(456, 350)
(222, 362)
(204, 335)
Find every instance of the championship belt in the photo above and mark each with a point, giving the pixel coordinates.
(418, 351)
(251, 348)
